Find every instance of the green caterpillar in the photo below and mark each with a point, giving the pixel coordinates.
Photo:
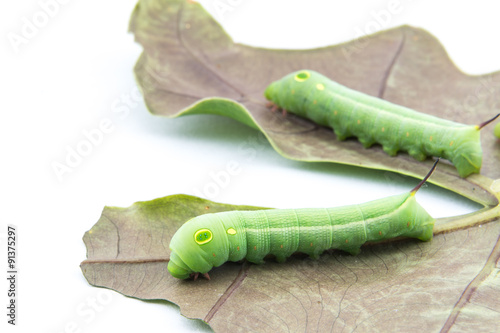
(210, 240)
(373, 120)
(497, 130)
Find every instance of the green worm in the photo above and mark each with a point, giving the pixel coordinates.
(210, 240)
(373, 120)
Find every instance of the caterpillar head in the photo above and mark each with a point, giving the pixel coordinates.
(282, 92)
(197, 246)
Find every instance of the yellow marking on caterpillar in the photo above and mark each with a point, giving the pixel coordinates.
(231, 231)
(320, 86)
(203, 236)
(302, 76)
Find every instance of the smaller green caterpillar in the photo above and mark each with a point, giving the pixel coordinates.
(210, 240)
(373, 120)
(497, 130)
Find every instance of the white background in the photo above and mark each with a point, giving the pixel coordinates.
(76, 71)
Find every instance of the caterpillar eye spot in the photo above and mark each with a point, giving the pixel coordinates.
(302, 76)
(203, 236)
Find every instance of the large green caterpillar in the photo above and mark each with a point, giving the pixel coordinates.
(210, 240)
(373, 120)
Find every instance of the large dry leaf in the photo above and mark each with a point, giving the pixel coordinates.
(404, 285)
(191, 66)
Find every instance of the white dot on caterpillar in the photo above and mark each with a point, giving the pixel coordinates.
(319, 86)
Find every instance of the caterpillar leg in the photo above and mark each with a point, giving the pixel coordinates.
(352, 250)
(341, 136)
(391, 151)
(367, 143)
(417, 154)
(274, 108)
(195, 276)
(280, 259)
(314, 255)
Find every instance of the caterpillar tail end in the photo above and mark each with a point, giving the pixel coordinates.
(427, 233)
